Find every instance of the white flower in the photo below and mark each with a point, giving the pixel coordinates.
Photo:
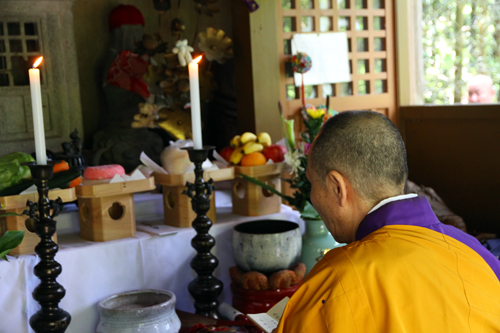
(216, 45)
(293, 159)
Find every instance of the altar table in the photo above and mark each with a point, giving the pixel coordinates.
(92, 271)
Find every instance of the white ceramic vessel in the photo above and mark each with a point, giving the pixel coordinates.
(267, 246)
(144, 311)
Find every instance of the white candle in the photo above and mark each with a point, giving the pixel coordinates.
(36, 103)
(194, 88)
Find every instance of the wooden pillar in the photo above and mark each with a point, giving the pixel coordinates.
(257, 68)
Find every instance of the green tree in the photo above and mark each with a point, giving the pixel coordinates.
(461, 38)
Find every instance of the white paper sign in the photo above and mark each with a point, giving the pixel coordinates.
(151, 164)
(329, 55)
(156, 229)
(135, 175)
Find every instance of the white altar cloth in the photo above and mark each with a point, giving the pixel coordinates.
(92, 271)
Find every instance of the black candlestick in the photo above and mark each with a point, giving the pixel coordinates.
(50, 318)
(205, 288)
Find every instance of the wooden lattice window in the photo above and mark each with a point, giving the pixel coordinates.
(369, 26)
(19, 47)
(21, 43)
(29, 29)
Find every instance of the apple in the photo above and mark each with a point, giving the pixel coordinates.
(275, 153)
(226, 152)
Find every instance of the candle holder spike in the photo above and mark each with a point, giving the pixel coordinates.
(205, 288)
(50, 318)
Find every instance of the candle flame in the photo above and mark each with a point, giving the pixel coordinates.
(37, 62)
(196, 60)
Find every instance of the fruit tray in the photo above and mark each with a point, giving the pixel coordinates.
(261, 170)
(17, 204)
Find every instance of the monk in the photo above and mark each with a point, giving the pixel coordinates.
(402, 270)
(480, 89)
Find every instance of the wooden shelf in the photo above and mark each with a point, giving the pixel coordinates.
(177, 207)
(103, 190)
(19, 201)
(250, 199)
(261, 170)
(107, 210)
(17, 204)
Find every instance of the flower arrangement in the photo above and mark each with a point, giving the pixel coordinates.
(297, 157)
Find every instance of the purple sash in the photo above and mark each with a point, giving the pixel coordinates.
(418, 212)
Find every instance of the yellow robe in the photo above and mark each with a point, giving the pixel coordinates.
(397, 279)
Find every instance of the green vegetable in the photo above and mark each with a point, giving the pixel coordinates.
(63, 178)
(16, 157)
(11, 170)
(16, 189)
(59, 180)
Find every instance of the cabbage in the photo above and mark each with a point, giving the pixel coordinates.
(11, 170)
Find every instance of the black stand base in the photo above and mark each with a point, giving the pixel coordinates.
(57, 323)
(50, 318)
(205, 289)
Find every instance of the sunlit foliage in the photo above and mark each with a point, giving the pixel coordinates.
(461, 38)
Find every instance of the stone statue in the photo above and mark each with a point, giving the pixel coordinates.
(124, 89)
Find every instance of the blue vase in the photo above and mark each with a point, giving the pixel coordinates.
(315, 241)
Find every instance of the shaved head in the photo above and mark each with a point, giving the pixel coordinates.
(480, 89)
(367, 148)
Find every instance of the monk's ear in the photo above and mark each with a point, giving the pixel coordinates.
(337, 185)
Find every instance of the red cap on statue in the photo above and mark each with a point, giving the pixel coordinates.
(125, 14)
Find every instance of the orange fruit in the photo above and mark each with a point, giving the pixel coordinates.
(256, 158)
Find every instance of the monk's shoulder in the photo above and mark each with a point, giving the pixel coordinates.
(376, 246)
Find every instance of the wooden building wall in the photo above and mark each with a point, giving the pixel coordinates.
(456, 150)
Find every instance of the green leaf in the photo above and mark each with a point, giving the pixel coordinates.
(316, 123)
(3, 255)
(10, 214)
(290, 134)
(306, 122)
(9, 241)
(309, 212)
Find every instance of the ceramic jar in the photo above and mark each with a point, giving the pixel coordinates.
(144, 311)
(267, 246)
(315, 241)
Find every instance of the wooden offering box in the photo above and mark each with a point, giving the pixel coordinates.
(252, 200)
(177, 208)
(107, 211)
(17, 204)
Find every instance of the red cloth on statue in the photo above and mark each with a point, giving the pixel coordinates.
(127, 72)
(125, 14)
